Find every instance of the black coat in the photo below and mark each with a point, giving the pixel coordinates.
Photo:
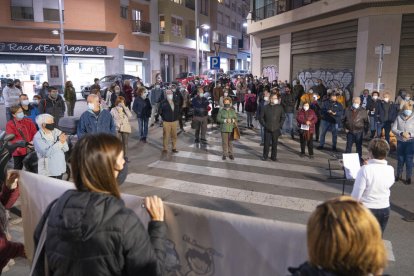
(272, 117)
(56, 108)
(167, 114)
(288, 102)
(91, 233)
(308, 270)
(142, 107)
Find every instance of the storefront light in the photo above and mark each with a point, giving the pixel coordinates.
(55, 32)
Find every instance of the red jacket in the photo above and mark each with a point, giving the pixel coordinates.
(8, 249)
(128, 93)
(303, 116)
(27, 127)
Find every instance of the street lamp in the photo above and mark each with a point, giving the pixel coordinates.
(204, 27)
(62, 43)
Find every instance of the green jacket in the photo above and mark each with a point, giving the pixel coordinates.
(70, 94)
(226, 114)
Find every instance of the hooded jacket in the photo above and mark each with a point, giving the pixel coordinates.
(92, 233)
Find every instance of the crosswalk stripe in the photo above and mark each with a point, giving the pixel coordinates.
(285, 202)
(249, 176)
(251, 162)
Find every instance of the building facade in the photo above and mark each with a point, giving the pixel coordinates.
(101, 37)
(336, 41)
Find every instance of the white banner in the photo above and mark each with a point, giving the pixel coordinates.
(200, 242)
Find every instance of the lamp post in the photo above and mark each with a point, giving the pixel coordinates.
(62, 43)
(216, 51)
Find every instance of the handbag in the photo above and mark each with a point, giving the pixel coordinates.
(235, 135)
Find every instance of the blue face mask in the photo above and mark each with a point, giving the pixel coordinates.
(20, 115)
(408, 112)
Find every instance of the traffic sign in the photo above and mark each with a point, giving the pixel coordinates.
(65, 60)
(214, 63)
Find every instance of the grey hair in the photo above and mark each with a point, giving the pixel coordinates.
(42, 118)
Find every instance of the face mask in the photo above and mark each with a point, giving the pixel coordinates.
(310, 91)
(144, 96)
(249, 92)
(266, 99)
(120, 105)
(53, 95)
(386, 100)
(407, 98)
(36, 101)
(201, 95)
(25, 102)
(356, 106)
(20, 115)
(157, 87)
(315, 97)
(275, 101)
(226, 94)
(91, 106)
(169, 97)
(117, 91)
(226, 105)
(50, 126)
(408, 112)
(375, 97)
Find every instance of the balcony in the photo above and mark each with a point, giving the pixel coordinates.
(140, 27)
(279, 7)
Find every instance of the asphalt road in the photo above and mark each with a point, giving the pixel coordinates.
(287, 190)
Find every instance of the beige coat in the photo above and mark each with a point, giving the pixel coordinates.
(121, 117)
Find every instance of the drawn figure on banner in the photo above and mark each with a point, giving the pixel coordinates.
(199, 260)
(333, 79)
(271, 72)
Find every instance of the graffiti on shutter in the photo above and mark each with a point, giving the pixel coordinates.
(271, 72)
(334, 79)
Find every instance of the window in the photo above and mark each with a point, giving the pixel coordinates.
(233, 24)
(136, 15)
(176, 26)
(190, 4)
(124, 12)
(226, 21)
(219, 18)
(190, 30)
(51, 15)
(21, 9)
(177, 1)
(162, 24)
(229, 42)
(204, 7)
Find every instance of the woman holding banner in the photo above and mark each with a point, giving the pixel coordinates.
(89, 230)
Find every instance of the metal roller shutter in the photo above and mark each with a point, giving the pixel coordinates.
(406, 61)
(270, 57)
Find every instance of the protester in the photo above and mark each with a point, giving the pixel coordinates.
(406, 100)
(156, 97)
(121, 115)
(320, 89)
(331, 113)
(355, 120)
(23, 130)
(28, 109)
(251, 107)
(403, 128)
(241, 89)
(95, 119)
(371, 108)
(44, 91)
(263, 101)
(178, 102)
(70, 97)
(186, 103)
(218, 92)
(340, 97)
(227, 118)
(35, 104)
(90, 231)
(272, 117)
(374, 180)
(169, 112)
(344, 238)
(298, 91)
(114, 96)
(9, 195)
(142, 107)
(53, 104)
(386, 114)
(200, 116)
(108, 96)
(11, 97)
(306, 119)
(288, 104)
(308, 97)
(128, 92)
(50, 144)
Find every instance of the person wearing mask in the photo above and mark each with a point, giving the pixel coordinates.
(121, 115)
(298, 91)
(35, 104)
(108, 96)
(251, 107)
(320, 89)
(117, 93)
(365, 99)
(28, 109)
(24, 130)
(308, 97)
(403, 129)
(50, 144)
(142, 107)
(314, 105)
(186, 103)
(169, 111)
(129, 93)
(11, 97)
(386, 114)
(18, 85)
(156, 97)
(218, 92)
(95, 119)
(272, 117)
(70, 97)
(95, 84)
(407, 100)
(44, 91)
(374, 180)
(89, 229)
(200, 116)
(227, 117)
(371, 108)
(340, 98)
(343, 238)
(306, 119)
(355, 120)
(331, 114)
(53, 105)
(241, 90)
(179, 101)
(400, 97)
(288, 104)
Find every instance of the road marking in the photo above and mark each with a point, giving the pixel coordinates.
(250, 176)
(285, 202)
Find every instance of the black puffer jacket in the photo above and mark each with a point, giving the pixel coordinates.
(92, 233)
(308, 270)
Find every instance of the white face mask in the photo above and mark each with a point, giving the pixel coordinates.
(355, 105)
(375, 97)
(201, 95)
(266, 99)
(306, 107)
(315, 97)
(157, 87)
(276, 101)
(386, 100)
(169, 97)
(226, 94)
(249, 92)
(144, 96)
(91, 106)
(25, 102)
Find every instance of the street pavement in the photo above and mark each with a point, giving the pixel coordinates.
(288, 190)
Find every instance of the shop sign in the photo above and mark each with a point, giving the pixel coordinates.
(35, 48)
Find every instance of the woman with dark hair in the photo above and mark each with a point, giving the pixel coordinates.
(89, 230)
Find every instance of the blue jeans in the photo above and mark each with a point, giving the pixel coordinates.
(405, 154)
(288, 124)
(331, 127)
(382, 216)
(143, 127)
(372, 124)
(356, 138)
(9, 116)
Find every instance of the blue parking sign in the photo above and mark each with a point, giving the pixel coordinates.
(214, 63)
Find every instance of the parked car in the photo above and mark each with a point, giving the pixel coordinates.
(107, 81)
(185, 77)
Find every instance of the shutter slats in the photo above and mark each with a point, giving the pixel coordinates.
(405, 77)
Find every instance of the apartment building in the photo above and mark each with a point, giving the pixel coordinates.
(101, 36)
(335, 40)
